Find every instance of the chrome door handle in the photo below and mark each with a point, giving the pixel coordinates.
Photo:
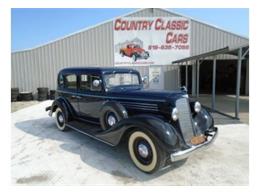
(76, 97)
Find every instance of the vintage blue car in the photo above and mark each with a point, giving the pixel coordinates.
(111, 105)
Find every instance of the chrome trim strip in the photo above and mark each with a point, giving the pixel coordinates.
(133, 104)
(139, 103)
(180, 155)
(106, 97)
(145, 106)
(76, 129)
(140, 108)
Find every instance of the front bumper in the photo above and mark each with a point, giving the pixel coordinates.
(183, 154)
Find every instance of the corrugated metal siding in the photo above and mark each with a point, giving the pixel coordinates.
(206, 38)
(94, 47)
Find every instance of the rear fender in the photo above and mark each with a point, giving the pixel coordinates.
(64, 105)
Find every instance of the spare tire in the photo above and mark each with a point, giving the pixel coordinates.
(42, 93)
(110, 114)
(14, 94)
(26, 96)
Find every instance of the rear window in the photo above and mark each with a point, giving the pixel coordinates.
(70, 81)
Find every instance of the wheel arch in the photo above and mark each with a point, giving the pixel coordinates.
(64, 105)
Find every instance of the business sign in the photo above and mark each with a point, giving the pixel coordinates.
(151, 40)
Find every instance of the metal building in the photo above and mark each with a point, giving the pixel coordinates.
(94, 46)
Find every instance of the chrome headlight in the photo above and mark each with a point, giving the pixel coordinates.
(197, 107)
(175, 114)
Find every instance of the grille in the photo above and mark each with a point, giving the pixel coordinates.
(185, 121)
(140, 106)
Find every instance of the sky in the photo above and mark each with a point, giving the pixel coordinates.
(33, 27)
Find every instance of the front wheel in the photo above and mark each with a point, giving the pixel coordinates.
(145, 152)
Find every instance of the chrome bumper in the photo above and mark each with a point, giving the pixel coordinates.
(180, 155)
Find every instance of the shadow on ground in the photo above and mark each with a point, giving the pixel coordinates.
(112, 160)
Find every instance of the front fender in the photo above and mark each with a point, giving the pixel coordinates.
(203, 120)
(163, 131)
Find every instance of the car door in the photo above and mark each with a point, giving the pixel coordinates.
(70, 89)
(91, 97)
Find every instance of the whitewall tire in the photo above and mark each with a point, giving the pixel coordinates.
(60, 119)
(144, 152)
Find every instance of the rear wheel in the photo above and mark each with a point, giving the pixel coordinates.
(145, 152)
(111, 114)
(60, 119)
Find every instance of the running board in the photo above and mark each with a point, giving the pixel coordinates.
(87, 129)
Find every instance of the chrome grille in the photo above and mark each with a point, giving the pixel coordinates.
(185, 121)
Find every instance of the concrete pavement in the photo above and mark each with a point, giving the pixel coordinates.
(43, 155)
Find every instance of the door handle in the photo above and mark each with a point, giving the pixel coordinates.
(76, 97)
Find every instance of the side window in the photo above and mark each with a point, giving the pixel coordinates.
(70, 81)
(85, 82)
(95, 86)
(60, 80)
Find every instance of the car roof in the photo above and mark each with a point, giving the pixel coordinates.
(95, 70)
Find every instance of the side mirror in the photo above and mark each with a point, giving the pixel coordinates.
(96, 83)
(145, 80)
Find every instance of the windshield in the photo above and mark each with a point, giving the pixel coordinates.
(121, 79)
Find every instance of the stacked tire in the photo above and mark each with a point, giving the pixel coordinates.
(52, 94)
(42, 93)
(14, 94)
(25, 96)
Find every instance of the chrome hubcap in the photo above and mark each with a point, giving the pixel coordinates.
(60, 118)
(111, 120)
(143, 150)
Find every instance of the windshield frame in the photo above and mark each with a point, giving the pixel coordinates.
(121, 86)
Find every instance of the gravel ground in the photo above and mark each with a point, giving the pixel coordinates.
(42, 155)
(15, 106)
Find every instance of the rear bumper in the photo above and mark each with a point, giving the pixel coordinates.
(183, 154)
(49, 109)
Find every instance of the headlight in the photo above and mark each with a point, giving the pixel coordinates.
(175, 114)
(197, 107)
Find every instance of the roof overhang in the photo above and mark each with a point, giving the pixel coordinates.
(225, 50)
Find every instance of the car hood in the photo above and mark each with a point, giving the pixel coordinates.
(148, 94)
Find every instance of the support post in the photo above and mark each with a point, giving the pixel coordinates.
(186, 77)
(213, 99)
(239, 61)
(193, 79)
(198, 79)
(247, 77)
